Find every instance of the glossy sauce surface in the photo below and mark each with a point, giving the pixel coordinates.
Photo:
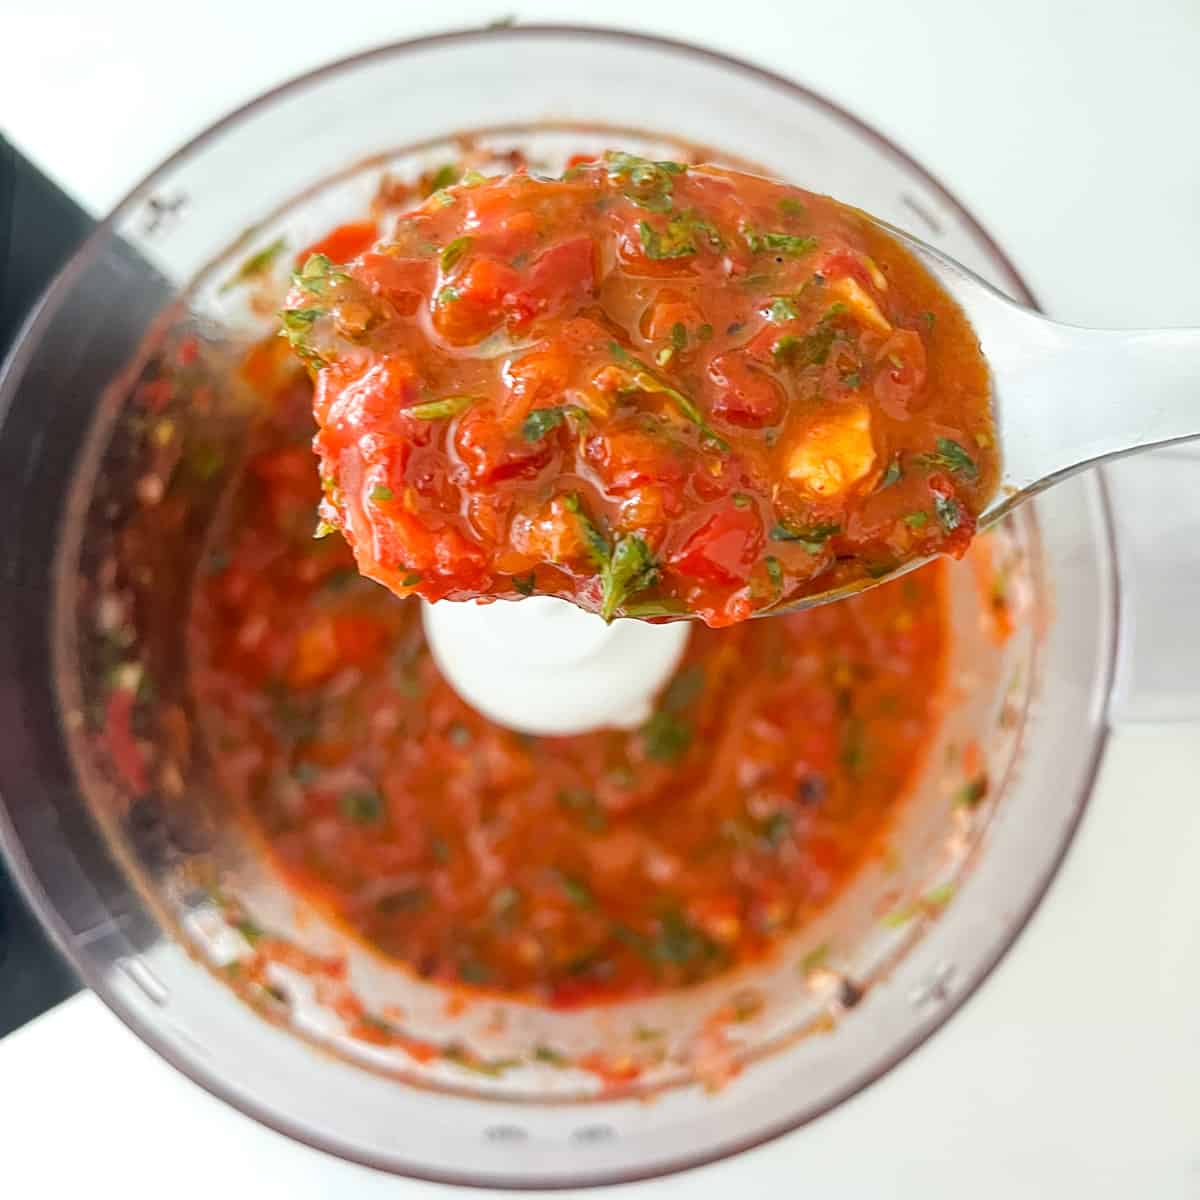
(646, 387)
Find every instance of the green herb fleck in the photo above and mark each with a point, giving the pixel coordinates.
(505, 902)
(665, 737)
(582, 803)
(317, 274)
(445, 176)
(916, 520)
(471, 970)
(704, 333)
(411, 579)
(938, 897)
(666, 607)
(256, 264)
(305, 773)
(675, 242)
(547, 1054)
(679, 942)
(854, 746)
(776, 827)
(642, 378)
(250, 930)
(781, 310)
(774, 571)
(815, 958)
(363, 806)
(454, 252)
(812, 537)
(950, 456)
(810, 350)
(648, 184)
(576, 890)
(323, 530)
(893, 474)
(436, 410)
(630, 569)
(741, 500)
(679, 337)
(381, 492)
(779, 243)
(595, 542)
(972, 793)
(540, 422)
(524, 583)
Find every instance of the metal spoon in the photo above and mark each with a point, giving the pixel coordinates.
(1064, 398)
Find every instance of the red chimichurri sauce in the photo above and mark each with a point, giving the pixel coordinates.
(566, 870)
(645, 387)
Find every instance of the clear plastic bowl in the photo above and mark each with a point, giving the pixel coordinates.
(116, 878)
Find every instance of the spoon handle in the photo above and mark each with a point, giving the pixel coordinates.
(1068, 398)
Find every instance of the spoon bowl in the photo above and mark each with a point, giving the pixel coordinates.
(1064, 398)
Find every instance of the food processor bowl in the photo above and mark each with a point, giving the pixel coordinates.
(122, 423)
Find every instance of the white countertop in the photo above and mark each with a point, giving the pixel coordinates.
(1068, 128)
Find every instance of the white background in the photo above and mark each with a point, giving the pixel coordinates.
(1070, 129)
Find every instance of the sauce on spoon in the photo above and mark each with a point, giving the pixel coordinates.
(648, 388)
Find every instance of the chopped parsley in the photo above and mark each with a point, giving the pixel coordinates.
(642, 378)
(812, 537)
(595, 542)
(675, 242)
(436, 410)
(630, 569)
(454, 252)
(779, 243)
(257, 264)
(445, 176)
(774, 571)
(781, 310)
(893, 474)
(950, 456)
(317, 274)
(524, 583)
(665, 737)
(972, 793)
(584, 805)
(810, 350)
(363, 806)
(648, 184)
(540, 422)
(679, 942)
(668, 734)
(382, 493)
(916, 520)
(576, 890)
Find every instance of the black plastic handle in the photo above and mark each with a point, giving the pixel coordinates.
(40, 226)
